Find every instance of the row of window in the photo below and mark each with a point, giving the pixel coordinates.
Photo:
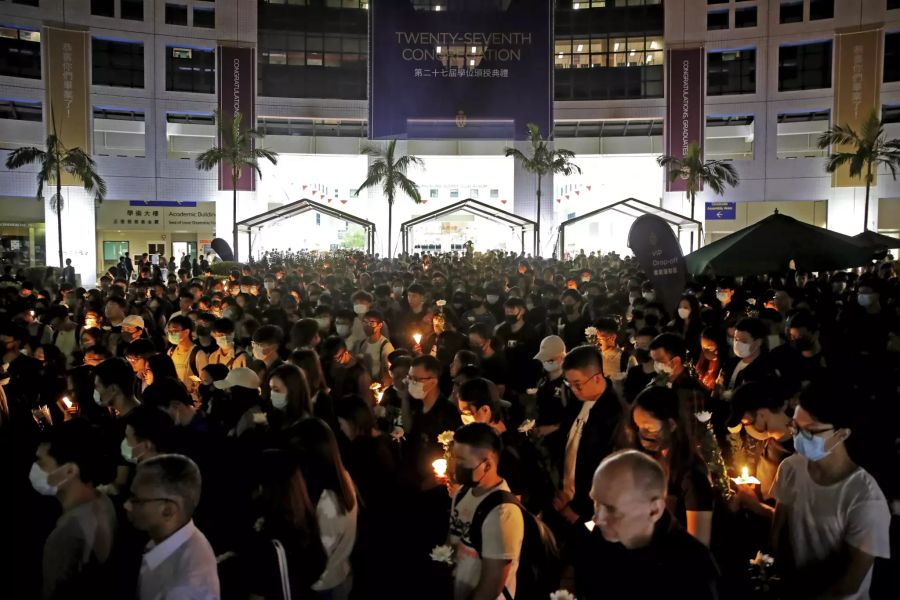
(175, 14)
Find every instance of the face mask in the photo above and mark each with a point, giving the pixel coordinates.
(742, 349)
(649, 296)
(550, 365)
(38, 478)
(641, 355)
(279, 400)
(259, 353)
(360, 309)
(245, 289)
(865, 300)
(492, 298)
(662, 369)
(323, 324)
(569, 308)
(174, 338)
(813, 449)
(97, 398)
(416, 389)
(368, 330)
(226, 341)
(128, 452)
(654, 443)
(838, 287)
(466, 475)
(511, 319)
(343, 330)
(684, 313)
(269, 285)
(721, 296)
(467, 419)
(632, 298)
(398, 290)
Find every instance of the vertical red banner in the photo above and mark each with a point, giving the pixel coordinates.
(685, 94)
(237, 93)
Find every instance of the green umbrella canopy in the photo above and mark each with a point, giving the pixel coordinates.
(877, 240)
(769, 245)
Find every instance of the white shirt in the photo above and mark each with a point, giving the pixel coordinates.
(572, 444)
(375, 356)
(338, 531)
(181, 567)
(820, 519)
(501, 538)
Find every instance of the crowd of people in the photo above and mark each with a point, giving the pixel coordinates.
(471, 426)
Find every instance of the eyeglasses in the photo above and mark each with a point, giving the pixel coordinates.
(806, 434)
(579, 385)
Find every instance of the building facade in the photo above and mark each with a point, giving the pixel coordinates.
(770, 89)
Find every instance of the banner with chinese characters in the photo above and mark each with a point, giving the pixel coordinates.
(66, 81)
(471, 70)
(237, 93)
(657, 250)
(684, 105)
(857, 87)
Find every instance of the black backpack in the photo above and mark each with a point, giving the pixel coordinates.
(540, 567)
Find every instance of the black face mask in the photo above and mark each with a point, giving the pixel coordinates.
(570, 308)
(642, 356)
(655, 444)
(511, 319)
(466, 475)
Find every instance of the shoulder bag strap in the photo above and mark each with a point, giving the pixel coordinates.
(283, 569)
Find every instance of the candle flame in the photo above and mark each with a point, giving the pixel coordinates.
(440, 467)
(745, 473)
(67, 402)
(417, 338)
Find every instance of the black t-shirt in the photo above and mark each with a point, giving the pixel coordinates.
(520, 347)
(495, 368)
(689, 490)
(635, 381)
(550, 401)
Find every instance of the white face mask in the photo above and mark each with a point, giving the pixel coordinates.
(97, 397)
(128, 452)
(323, 324)
(492, 298)
(398, 291)
(662, 369)
(865, 300)
(467, 419)
(684, 313)
(649, 296)
(550, 365)
(259, 353)
(360, 309)
(721, 296)
(742, 349)
(416, 389)
(174, 338)
(269, 285)
(225, 341)
(279, 400)
(343, 330)
(38, 478)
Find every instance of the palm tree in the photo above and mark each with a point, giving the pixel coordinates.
(866, 150)
(54, 161)
(390, 173)
(543, 161)
(237, 151)
(696, 172)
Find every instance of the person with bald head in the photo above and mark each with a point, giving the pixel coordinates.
(634, 540)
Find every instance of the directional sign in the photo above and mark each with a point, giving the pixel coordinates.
(721, 211)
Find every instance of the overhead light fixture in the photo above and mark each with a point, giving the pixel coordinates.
(471, 62)
(653, 45)
(576, 6)
(580, 48)
(616, 47)
(474, 49)
(438, 49)
(437, 8)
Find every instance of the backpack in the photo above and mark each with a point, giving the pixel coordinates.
(540, 567)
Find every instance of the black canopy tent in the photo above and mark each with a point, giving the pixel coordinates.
(473, 207)
(634, 208)
(298, 208)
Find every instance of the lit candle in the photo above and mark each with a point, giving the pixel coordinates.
(417, 338)
(377, 392)
(67, 402)
(746, 478)
(440, 467)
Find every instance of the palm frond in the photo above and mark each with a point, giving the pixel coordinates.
(836, 161)
(410, 188)
(210, 159)
(25, 156)
(405, 162)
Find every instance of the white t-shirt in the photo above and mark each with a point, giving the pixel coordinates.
(338, 531)
(375, 356)
(501, 538)
(822, 518)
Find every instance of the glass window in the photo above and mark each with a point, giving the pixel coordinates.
(798, 134)
(821, 9)
(732, 72)
(132, 10)
(117, 63)
(103, 8)
(729, 137)
(176, 14)
(791, 11)
(20, 53)
(205, 17)
(190, 70)
(893, 4)
(804, 66)
(745, 17)
(114, 138)
(892, 56)
(716, 19)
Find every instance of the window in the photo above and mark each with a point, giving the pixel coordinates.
(603, 67)
(745, 17)
(804, 67)
(791, 11)
(20, 52)
(132, 10)
(893, 4)
(729, 137)
(731, 72)
(29, 131)
(27, 2)
(189, 134)
(798, 134)
(190, 70)
(433, 193)
(892, 56)
(205, 17)
(118, 132)
(113, 251)
(176, 14)
(314, 49)
(821, 9)
(494, 193)
(716, 19)
(117, 63)
(21, 110)
(103, 8)
(717, 1)
(454, 193)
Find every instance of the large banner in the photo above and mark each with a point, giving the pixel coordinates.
(857, 87)
(67, 94)
(237, 93)
(478, 69)
(657, 250)
(685, 117)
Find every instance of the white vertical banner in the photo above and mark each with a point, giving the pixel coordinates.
(79, 232)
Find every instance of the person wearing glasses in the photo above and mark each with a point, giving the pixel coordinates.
(591, 431)
(178, 561)
(375, 348)
(831, 519)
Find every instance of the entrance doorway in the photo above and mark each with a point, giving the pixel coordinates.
(180, 249)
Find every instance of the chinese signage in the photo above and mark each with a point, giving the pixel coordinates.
(201, 216)
(857, 87)
(475, 70)
(684, 105)
(659, 254)
(237, 93)
(721, 211)
(66, 76)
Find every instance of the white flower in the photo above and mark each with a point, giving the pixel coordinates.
(441, 303)
(259, 524)
(398, 433)
(704, 416)
(562, 595)
(531, 391)
(259, 418)
(526, 426)
(762, 560)
(590, 332)
(445, 439)
(442, 554)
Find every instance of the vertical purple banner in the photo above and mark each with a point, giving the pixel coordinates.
(237, 93)
(684, 105)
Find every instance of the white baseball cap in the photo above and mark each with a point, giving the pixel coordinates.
(551, 348)
(241, 377)
(134, 321)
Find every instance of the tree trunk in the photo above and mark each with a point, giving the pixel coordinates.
(693, 198)
(537, 231)
(390, 252)
(868, 187)
(59, 215)
(235, 175)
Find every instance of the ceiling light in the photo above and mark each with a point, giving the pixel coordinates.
(580, 48)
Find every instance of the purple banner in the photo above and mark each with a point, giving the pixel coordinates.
(237, 93)
(472, 70)
(684, 105)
